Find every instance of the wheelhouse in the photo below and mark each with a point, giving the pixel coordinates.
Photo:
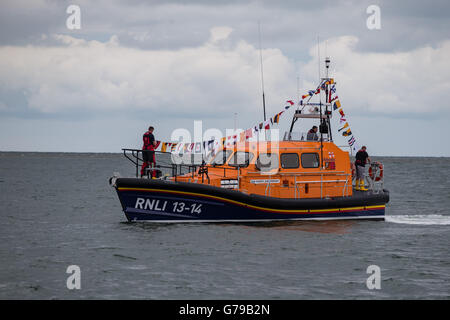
(286, 169)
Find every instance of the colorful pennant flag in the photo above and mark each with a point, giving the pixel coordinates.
(345, 126)
(276, 118)
(351, 141)
(336, 105)
(347, 133)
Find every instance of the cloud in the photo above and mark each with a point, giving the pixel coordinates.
(409, 83)
(291, 26)
(220, 33)
(91, 76)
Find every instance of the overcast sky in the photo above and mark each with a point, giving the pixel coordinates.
(167, 63)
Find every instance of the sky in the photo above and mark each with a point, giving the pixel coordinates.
(136, 63)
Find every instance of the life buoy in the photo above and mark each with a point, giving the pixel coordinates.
(379, 176)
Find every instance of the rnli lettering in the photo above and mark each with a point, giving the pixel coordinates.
(168, 206)
(151, 204)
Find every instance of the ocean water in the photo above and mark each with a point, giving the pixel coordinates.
(58, 210)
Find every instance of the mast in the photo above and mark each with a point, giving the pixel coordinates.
(320, 106)
(327, 98)
(262, 71)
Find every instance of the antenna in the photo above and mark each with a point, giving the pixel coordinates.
(318, 56)
(262, 71)
(320, 106)
(327, 64)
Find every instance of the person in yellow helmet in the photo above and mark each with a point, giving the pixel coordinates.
(361, 159)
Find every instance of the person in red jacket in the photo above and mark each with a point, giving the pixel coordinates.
(148, 151)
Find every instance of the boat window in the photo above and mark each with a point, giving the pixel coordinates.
(267, 162)
(221, 157)
(289, 160)
(241, 159)
(310, 160)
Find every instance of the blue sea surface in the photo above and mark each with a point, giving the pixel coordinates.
(58, 210)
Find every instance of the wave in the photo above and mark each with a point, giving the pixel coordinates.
(431, 219)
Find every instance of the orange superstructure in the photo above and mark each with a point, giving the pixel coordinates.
(285, 169)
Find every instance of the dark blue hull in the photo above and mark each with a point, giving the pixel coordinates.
(160, 201)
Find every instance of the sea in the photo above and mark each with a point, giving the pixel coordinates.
(59, 214)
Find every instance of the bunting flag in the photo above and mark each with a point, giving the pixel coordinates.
(198, 147)
(212, 146)
(276, 119)
(242, 136)
(347, 133)
(345, 126)
(337, 105)
(351, 141)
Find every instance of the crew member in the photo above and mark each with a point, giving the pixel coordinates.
(361, 159)
(312, 134)
(148, 151)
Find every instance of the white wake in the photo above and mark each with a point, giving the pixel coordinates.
(431, 219)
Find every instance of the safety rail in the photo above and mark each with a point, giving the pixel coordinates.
(347, 178)
(136, 157)
(176, 169)
(301, 136)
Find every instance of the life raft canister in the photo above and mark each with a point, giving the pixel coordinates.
(372, 173)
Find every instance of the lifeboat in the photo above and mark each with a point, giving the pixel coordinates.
(291, 179)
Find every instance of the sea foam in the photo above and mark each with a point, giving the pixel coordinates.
(431, 219)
